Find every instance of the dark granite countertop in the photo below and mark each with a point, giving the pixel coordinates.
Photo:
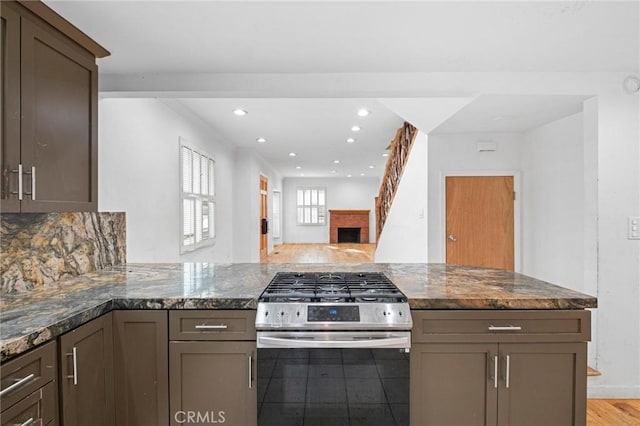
(27, 320)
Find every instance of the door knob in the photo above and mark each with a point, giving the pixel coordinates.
(452, 238)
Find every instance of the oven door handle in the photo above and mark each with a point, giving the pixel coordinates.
(322, 340)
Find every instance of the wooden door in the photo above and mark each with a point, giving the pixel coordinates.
(86, 374)
(453, 384)
(214, 380)
(141, 351)
(10, 95)
(59, 104)
(480, 221)
(542, 384)
(263, 216)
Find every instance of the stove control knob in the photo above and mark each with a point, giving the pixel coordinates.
(298, 313)
(384, 313)
(282, 313)
(266, 313)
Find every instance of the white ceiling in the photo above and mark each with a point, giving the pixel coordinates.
(315, 129)
(358, 37)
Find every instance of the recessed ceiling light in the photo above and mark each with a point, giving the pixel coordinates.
(336, 161)
(350, 140)
(385, 154)
(301, 174)
(261, 140)
(372, 166)
(240, 112)
(298, 167)
(348, 175)
(361, 174)
(363, 112)
(292, 154)
(355, 128)
(333, 171)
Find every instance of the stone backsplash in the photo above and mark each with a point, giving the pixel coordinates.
(38, 249)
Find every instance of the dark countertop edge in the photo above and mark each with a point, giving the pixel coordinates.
(11, 348)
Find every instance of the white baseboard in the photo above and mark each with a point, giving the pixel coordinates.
(613, 392)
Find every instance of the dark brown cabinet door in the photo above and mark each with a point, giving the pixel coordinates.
(86, 374)
(59, 121)
(453, 384)
(542, 384)
(212, 382)
(141, 368)
(10, 94)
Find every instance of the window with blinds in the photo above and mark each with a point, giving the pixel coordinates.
(311, 205)
(198, 199)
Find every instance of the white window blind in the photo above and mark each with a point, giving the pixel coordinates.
(311, 205)
(198, 199)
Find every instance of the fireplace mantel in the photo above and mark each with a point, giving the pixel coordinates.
(349, 219)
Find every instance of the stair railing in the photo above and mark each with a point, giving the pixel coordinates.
(398, 155)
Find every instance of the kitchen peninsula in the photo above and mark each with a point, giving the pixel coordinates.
(455, 310)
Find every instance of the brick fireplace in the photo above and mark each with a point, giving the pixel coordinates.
(349, 219)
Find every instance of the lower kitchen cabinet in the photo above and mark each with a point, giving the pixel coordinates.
(28, 388)
(86, 374)
(493, 368)
(212, 367)
(213, 382)
(141, 362)
(504, 384)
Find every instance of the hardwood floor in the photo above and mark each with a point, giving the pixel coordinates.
(613, 412)
(321, 253)
(600, 412)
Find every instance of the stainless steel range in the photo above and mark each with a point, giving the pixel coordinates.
(333, 348)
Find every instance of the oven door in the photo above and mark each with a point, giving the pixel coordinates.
(333, 378)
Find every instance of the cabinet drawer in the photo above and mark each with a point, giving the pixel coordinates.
(212, 325)
(27, 373)
(39, 408)
(501, 326)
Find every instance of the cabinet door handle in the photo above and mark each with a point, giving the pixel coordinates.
(494, 373)
(506, 376)
(504, 328)
(19, 172)
(211, 327)
(33, 182)
(250, 371)
(74, 376)
(17, 384)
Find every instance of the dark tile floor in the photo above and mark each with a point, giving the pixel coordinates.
(350, 387)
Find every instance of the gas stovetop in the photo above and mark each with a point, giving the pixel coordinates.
(346, 287)
(332, 300)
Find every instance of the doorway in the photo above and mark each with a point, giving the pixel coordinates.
(264, 218)
(480, 216)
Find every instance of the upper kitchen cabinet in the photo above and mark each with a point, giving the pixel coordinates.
(49, 143)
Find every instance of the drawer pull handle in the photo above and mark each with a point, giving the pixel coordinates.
(506, 379)
(27, 423)
(505, 328)
(211, 327)
(17, 384)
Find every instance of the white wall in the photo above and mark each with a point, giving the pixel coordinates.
(618, 333)
(457, 153)
(553, 202)
(342, 194)
(248, 167)
(139, 174)
(404, 236)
